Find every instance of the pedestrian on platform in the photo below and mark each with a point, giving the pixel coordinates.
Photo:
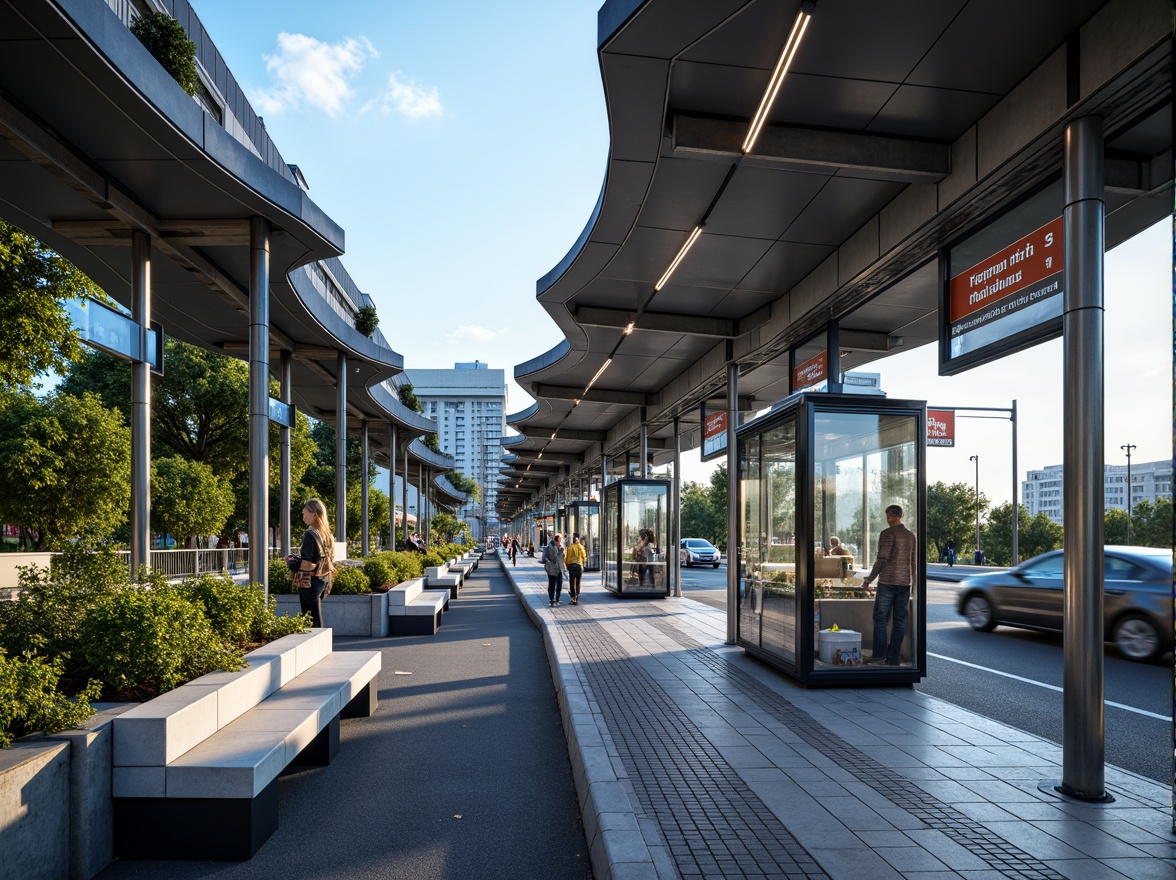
(313, 576)
(574, 558)
(514, 550)
(553, 564)
(894, 567)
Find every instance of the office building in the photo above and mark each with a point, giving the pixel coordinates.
(1041, 490)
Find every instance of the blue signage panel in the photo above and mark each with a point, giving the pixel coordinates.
(113, 332)
(281, 413)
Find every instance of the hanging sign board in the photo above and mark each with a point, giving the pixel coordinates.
(714, 434)
(812, 372)
(1003, 287)
(941, 427)
(115, 333)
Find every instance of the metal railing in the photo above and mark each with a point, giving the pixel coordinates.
(188, 563)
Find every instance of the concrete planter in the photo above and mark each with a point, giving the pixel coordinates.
(362, 615)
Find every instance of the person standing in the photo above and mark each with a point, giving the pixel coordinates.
(313, 576)
(553, 564)
(949, 552)
(894, 568)
(514, 550)
(574, 558)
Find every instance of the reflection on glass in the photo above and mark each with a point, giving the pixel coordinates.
(635, 530)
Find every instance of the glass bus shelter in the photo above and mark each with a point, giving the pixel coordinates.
(583, 518)
(821, 466)
(633, 538)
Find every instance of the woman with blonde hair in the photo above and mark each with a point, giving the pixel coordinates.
(313, 577)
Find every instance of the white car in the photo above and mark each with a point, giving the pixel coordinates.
(699, 551)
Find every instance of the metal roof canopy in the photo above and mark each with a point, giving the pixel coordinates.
(899, 127)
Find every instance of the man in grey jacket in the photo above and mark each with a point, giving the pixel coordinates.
(553, 564)
(894, 568)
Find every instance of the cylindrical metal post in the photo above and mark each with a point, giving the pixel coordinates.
(1083, 745)
(341, 447)
(404, 490)
(644, 446)
(676, 523)
(364, 489)
(732, 504)
(285, 489)
(258, 518)
(422, 514)
(141, 404)
(392, 490)
(1016, 502)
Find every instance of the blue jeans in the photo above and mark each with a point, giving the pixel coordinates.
(891, 598)
(554, 586)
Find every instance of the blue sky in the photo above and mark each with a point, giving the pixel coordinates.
(462, 146)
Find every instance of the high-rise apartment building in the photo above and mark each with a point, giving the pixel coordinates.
(1041, 491)
(469, 405)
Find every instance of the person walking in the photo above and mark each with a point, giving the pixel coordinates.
(894, 567)
(553, 564)
(949, 552)
(313, 576)
(574, 558)
(514, 550)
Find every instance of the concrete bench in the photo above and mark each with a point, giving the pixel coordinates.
(442, 577)
(195, 770)
(415, 611)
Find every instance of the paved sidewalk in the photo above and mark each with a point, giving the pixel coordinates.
(693, 760)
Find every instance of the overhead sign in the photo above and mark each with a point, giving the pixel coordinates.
(941, 427)
(812, 372)
(281, 413)
(1003, 289)
(115, 333)
(714, 433)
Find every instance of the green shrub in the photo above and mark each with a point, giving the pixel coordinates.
(166, 40)
(379, 572)
(30, 700)
(406, 565)
(350, 581)
(239, 613)
(142, 641)
(433, 557)
(280, 580)
(366, 320)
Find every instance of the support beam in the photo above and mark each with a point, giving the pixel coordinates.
(595, 395)
(881, 157)
(867, 340)
(658, 322)
(258, 517)
(564, 434)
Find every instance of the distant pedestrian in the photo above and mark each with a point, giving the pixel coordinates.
(514, 550)
(574, 558)
(949, 552)
(894, 567)
(553, 564)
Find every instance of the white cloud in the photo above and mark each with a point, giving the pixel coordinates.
(466, 333)
(410, 99)
(309, 71)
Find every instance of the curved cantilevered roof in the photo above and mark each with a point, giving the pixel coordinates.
(898, 127)
(97, 140)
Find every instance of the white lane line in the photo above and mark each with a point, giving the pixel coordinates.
(1048, 687)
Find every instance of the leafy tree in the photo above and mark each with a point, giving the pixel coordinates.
(1116, 524)
(1035, 535)
(166, 39)
(377, 513)
(1152, 523)
(445, 528)
(951, 513)
(462, 483)
(36, 335)
(67, 464)
(188, 499)
(698, 516)
(408, 397)
(716, 494)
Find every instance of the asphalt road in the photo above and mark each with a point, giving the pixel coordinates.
(1015, 676)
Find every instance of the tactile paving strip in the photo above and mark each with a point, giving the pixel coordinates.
(712, 823)
(1002, 856)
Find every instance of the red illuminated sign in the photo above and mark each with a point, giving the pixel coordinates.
(811, 372)
(941, 427)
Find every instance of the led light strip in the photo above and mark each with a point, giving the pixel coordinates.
(678, 259)
(773, 89)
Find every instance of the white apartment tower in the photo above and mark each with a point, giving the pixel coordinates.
(1150, 480)
(469, 405)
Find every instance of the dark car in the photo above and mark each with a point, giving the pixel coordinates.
(1137, 598)
(699, 551)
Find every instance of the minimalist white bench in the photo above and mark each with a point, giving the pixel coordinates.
(195, 770)
(415, 611)
(443, 577)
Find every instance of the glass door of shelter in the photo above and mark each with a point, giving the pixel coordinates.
(634, 553)
(584, 520)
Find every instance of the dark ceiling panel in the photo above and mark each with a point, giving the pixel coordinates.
(682, 190)
(714, 89)
(686, 300)
(635, 90)
(740, 303)
(933, 114)
(665, 30)
(645, 255)
(784, 264)
(611, 293)
(762, 202)
(617, 215)
(840, 209)
(829, 102)
(751, 39)
(719, 260)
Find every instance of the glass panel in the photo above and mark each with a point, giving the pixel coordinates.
(590, 528)
(750, 559)
(643, 528)
(612, 526)
(863, 463)
(778, 541)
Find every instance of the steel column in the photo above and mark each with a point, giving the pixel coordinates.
(285, 489)
(341, 448)
(644, 446)
(392, 491)
(141, 404)
(364, 489)
(1083, 746)
(1016, 504)
(732, 503)
(676, 521)
(259, 271)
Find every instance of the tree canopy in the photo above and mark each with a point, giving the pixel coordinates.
(951, 513)
(188, 499)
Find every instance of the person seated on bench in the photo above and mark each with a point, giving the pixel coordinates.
(836, 548)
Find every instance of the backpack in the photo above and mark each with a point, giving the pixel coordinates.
(326, 563)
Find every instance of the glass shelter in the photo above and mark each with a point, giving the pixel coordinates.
(816, 476)
(584, 520)
(633, 538)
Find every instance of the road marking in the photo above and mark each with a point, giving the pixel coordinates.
(1042, 684)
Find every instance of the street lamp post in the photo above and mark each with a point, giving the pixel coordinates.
(1127, 448)
(976, 459)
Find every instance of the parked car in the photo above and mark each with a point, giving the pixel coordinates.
(1137, 598)
(700, 551)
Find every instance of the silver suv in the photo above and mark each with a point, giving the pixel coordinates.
(698, 551)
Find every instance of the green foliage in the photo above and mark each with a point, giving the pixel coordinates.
(1035, 535)
(951, 513)
(366, 320)
(238, 613)
(379, 572)
(431, 442)
(350, 581)
(1116, 526)
(699, 518)
(433, 558)
(30, 700)
(406, 565)
(166, 40)
(409, 398)
(280, 579)
(446, 528)
(67, 464)
(151, 640)
(36, 335)
(1151, 524)
(187, 498)
(462, 483)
